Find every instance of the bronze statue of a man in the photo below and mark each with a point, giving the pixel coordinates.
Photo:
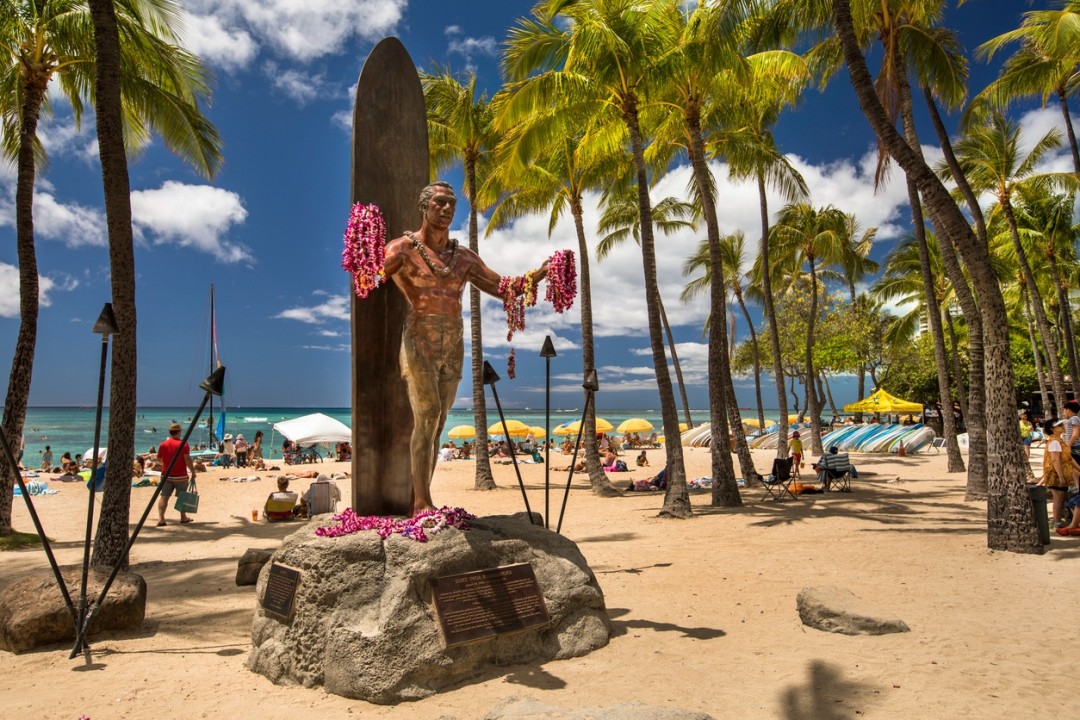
(431, 269)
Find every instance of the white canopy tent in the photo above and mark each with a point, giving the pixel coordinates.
(314, 428)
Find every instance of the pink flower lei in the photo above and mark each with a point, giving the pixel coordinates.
(519, 292)
(365, 248)
(420, 527)
(561, 280)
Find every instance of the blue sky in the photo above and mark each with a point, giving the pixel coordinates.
(267, 231)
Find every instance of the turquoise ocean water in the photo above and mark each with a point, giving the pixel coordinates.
(70, 429)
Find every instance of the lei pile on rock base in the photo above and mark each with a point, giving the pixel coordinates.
(420, 527)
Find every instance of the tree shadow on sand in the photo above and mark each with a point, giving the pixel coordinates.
(824, 695)
(622, 627)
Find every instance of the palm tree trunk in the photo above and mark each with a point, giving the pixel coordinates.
(827, 389)
(1040, 371)
(757, 359)
(722, 403)
(598, 479)
(676, 499)
(22, 362)
(1066, 323)
(933, 310)
(112, 531)
(774, 329)
(1063, 97)
(978, 468)
(1010, 516)
(1042, 323)
(812, 404)
(954, 356)
(676, 364)
(484, 480)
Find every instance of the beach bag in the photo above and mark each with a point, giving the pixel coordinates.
(187, 501)
(620, 466)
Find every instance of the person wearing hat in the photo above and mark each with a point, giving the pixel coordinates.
(228, 450)
(241, 450)
(183, 471)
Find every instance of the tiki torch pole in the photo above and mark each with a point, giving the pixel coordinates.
(591, 386)
(490, 378)
(105, 326)
(213, 385)
(547, 352)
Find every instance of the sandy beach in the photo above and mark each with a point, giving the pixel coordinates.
(703, 610)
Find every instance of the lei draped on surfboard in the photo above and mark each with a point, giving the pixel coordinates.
(365, 248)
(420, 527)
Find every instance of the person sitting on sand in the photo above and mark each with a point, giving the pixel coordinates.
(643, 459)
(446, 453)
(138, 467)
(46, 459)
(1072, 528)
(466, 450)
(567, 447)
(609, 458)
(322, 496)
(282, 495)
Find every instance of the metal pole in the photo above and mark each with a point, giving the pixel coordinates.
(212, 385)
(10, 457)
(547, 352)
(106, 326)
(490, 378)
(591, 386)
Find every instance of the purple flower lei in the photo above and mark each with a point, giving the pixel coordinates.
(364, 254)
(419, 527)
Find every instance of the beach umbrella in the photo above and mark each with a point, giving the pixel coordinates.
(602, 426)
(462, 431)
(683, 427)
(562, 430)
(102, 454)
(537, 432)
(752, 422)
(634, 425)
(514, 428)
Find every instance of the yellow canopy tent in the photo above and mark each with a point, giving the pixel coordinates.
(882, 402)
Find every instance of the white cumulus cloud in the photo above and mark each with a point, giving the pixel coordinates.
(195, 216)
(9, 289)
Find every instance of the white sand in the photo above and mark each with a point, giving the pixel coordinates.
(703, 610)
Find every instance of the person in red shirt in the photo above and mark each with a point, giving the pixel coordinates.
(178, 479)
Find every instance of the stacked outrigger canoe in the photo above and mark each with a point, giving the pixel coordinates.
(871, 438)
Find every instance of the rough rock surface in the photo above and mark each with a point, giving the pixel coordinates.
(839, 610)
(364, 624)
(33, 613)
(251, 564)
(525, 708)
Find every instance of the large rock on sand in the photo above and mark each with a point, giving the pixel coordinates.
(364, 624)
(33, 613)
(251, 564)
(839, 610)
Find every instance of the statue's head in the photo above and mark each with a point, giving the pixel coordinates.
(429, 191)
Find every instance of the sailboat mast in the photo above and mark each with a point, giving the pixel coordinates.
(210, 421)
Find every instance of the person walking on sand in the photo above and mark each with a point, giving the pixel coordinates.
(795, 446)
(179, 477)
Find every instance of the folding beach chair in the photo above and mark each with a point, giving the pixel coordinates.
(778, 484)
(834, 472)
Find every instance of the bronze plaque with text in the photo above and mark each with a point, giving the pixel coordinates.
(485, 603)
(280, 594)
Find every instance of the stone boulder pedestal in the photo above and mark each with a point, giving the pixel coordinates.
(364, 622)
(33, 613)
(839, 610)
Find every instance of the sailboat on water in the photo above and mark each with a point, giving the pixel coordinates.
(216, 432)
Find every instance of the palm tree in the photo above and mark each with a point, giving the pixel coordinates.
(602, 61)
(990, 158)
(753, 106)
(904, 281)
(1011, 521)
(548, 174)
(161, 86)
(815, 237)
(857, 266)
(460, 130)
(620, 220)
(1046, 63)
